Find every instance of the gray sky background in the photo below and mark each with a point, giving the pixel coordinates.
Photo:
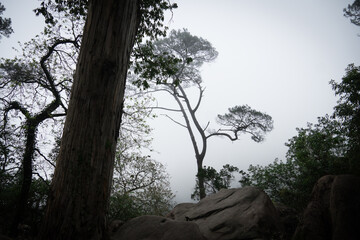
(277, 56)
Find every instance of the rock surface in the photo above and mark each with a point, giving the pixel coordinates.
(243, 213)
(334, 210)
(157, 228)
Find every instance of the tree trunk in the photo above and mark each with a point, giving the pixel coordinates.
(31, 126)
(200, 177)
(199, 155)
(81, 185)
(21, 207)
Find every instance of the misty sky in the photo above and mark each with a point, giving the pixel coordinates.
(277, 56)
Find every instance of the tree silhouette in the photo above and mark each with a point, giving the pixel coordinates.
(189, 53)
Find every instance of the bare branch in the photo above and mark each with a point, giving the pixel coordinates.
(174, 120)
(201, 154)
(47, 72)
(141, 186)
(156, 90)
(58, 115)
(166, 109)
(46, 159)
(200, 96)
(42, 179)
(207, 125)
(224, 135)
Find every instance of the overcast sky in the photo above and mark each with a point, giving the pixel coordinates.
(277, 56)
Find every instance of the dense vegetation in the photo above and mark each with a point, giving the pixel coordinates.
(330, 146)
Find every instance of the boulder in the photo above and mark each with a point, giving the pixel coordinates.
(180, 210)
(243, 213)
(333, 211)
(345, 207)
(157, 228)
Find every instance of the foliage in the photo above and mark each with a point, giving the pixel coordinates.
(192, 51)
(151, 11)
(140, 184)
(158, 67)
(151, 27)
(9, 190)
(10, 186)
(124, 207)
(177, 58)
(319, 149)
(347, 111)
(140, 187)
(214, 180)
(331, 146)
(353, 12)
(5, 24)
(243, 119)
(49, 9)
(276, 179)
(152, 18)
(316, 151)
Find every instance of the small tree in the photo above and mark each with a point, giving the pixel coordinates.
(140, 187)
(276, 179)
(188, 53)
(214, 181)
(140, 184)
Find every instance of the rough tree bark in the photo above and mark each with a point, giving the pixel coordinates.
(81, 185)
